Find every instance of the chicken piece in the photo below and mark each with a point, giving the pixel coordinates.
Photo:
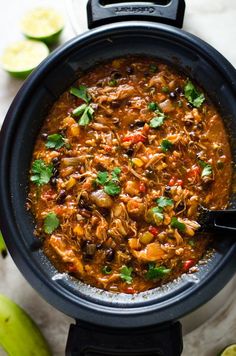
(152, 252)
(135, 208)
(109, 94)
(132, 188)
(67, 254)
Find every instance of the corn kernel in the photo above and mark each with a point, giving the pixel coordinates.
(70, 184)
(78, 230)
(137, 161)
(146, 238)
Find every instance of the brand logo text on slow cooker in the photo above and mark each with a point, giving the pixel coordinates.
(134, 9)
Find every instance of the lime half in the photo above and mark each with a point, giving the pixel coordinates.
(22, 57)
(43, 24)
(229, 351)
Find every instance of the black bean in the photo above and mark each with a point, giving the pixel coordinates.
(180, 207)
(55, 172)
(53, 181)
(178, 90)
(149, 173)
(137, 123)
(56, 161)
(90, 249)
(110, 254)
(167, 189)
(99, 246)
(130, 152)
(190, 106)
(172, 95)
(44, 136)
(129, 70)
(61, 197)
(115, 104)
(116, 75)
(84, 204)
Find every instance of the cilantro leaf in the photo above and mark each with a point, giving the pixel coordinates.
(112, 83)
(79, 110)
(81, 93)
(152, 106)
(166, 145)
(55, 141)
(106, 270)
(112, 188)
(51, 223)
(193, 96)
(102, 178)
(176, 224)
(41, 172)
(115, 173)
(207, 170)
(157, 121)
(155, 215)
(163, 202)
(155, 272)
(125, 274)
(152, 68)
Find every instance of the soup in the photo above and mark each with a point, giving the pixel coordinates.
(124, 160)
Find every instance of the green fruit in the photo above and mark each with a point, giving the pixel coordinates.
(43, 24)
(229, 351)
(19, 335)
(22, 57)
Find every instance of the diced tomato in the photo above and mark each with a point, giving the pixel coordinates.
(48, 195)
(135, 138)
(129, 290)
(142, 187)
(153, 230)
(174, 181)
(188, 264)
(108, 148)
(71, 268)
(193, 172)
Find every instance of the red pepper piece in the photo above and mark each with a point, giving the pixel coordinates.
(142, 187)
(174, 181)
(193, 172)
(153, 230)
(134, 138)
(188, 264)
(130, 290)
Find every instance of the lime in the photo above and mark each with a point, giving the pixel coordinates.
(43, 24)
(229, 351)
(20, 58)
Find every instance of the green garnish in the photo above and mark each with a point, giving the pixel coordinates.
(102, 178)
(176, 224)
(125, 274)
(155, 215)
(79, 110)
(193, 96)
(110, 185)
(41, 172)
(87, 116)
(111, 188)
(157, 121)
(81, 93)
(55, 141)
(207, 168)
(51, 223)
(106, 270)
(152, 106)
(191, 243)
(166, 145)
(155, 272)
(162, 202)
(165, 89)
(153, 68)
(112, 83)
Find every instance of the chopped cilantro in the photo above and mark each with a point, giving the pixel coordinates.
(41, 172)
(55, 141)
(176, 224)
(102, 178)
(157, 121)
(155, 272)
(157, 214)
(112, 83)
(106, 270)
(111, 188)
(165, 89)
(51, 223)
(166, 145)
(162, 202)
(79, 110)
(193, 96)
(207, 170)
(152, 106)
(81, 93)
(86, 117)
(125, 274)
(153, 68)
(115, 173)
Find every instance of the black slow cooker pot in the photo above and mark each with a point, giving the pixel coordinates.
(108, 323)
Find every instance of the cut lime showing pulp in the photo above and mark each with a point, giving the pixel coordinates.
(229, 351)
(43, 24)
(22, 57)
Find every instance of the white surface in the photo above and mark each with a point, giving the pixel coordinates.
(213, 21)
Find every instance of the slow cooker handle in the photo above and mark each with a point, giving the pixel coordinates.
(101, 12)
(90, 340)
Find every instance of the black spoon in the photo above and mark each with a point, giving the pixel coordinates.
(217, 219)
